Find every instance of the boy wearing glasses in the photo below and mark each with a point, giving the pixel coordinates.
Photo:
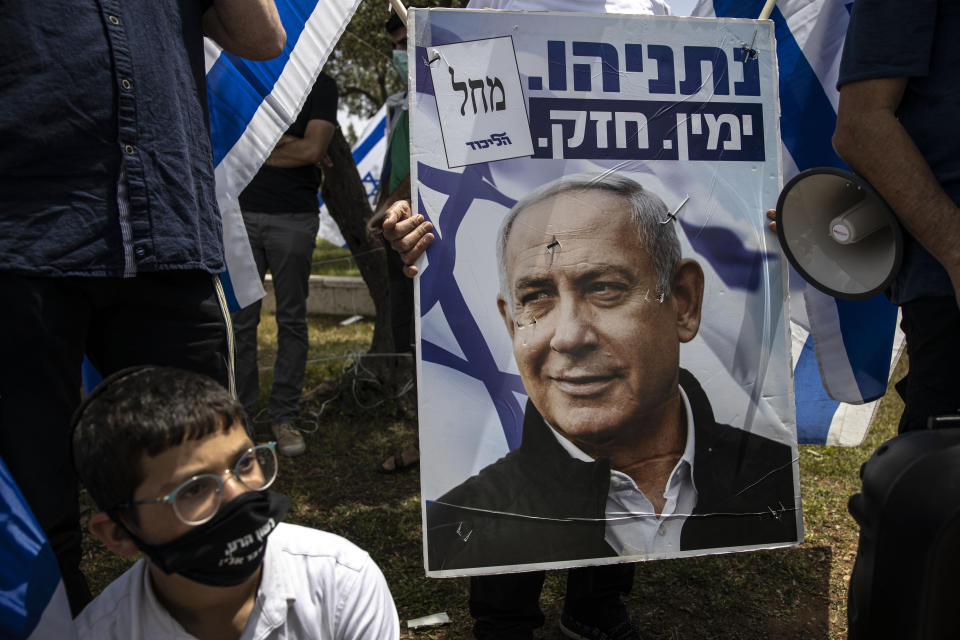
(165, 455)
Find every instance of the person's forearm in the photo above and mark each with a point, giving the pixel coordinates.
(248, 28)
(296, 153)
(301, 152)
(877, 147)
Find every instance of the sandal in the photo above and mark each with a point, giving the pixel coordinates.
(399, 464)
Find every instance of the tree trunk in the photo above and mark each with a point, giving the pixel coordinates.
(346, 199)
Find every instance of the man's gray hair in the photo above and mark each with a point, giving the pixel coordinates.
(646, 209)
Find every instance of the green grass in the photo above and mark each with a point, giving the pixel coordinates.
(331, 260)
(780, 594)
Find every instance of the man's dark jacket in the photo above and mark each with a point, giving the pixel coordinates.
(537, 504)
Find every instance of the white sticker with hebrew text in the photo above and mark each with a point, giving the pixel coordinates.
(480, 101)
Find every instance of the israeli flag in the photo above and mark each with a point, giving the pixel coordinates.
(33, 601)
(368, 155)
(843, 351)
(251, 105)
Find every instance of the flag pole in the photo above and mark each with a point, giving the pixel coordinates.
(401, 11)
(764, 14)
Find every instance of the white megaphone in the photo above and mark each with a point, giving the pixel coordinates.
(838, 233)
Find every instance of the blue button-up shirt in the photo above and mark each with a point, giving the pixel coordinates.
(90, 89)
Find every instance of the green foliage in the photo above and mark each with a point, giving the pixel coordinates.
(350, 134)
(360, 63)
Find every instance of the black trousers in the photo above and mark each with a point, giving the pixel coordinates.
(932, 386)
(507, 606)
(167, 318)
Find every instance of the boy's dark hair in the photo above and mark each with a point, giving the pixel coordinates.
(393, 23)
(143, 411)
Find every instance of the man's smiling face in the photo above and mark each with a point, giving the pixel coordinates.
(597, 351)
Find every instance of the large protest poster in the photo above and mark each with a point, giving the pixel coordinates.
(586, 395)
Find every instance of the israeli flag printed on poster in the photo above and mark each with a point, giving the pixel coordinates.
(33, 601)
(561, 336)
(251, 104)
(843, 351)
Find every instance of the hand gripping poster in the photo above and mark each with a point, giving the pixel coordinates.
(603, 353)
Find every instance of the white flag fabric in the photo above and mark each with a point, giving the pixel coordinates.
(843, 350)
(251, 105)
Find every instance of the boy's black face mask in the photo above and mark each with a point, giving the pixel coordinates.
(226, 550)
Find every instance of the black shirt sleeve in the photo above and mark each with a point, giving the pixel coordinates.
(324, 99)
(888, 39)
(321, 104)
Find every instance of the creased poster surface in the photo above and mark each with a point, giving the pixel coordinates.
(602, 340)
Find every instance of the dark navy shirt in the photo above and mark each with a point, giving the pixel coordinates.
(918, 40)
(86, 85)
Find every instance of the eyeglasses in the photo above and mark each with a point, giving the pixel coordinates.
(197, 500)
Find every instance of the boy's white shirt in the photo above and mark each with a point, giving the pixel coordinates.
(315, 585)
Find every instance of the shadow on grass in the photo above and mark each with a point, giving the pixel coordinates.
(781, 593)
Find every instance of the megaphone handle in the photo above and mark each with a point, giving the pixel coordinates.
(856, 223)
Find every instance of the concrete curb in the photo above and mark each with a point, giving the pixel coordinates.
(331, 295)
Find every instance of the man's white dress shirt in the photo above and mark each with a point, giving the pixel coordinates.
(633, 526)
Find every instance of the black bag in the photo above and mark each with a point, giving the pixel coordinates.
(905, 579)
